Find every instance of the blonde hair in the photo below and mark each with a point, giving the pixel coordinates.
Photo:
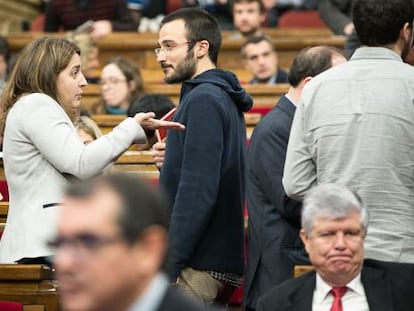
(84, 42)
(89, 126)
(36, 71)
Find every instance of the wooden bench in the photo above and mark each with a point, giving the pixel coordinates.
(32, 285)
(4, 209)
(140, 47)
(300, 270)
(264, 96)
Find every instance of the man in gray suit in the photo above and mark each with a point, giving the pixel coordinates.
(334, 226)
(274, 220)
(111, 246)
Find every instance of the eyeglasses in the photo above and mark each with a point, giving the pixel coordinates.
(84, 244)
(111, 81)
(169, 47)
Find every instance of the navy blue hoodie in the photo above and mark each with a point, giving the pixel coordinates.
(203, 174)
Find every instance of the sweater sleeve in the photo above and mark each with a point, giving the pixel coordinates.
(200, 176)
(333, 16)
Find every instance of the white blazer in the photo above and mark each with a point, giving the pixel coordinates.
(41, 146)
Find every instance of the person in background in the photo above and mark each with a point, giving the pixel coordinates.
(248, 17)
(157, 103)
(260, 59)
(89, 55)
(121, 85)
(87, 128)
(4, 62)
(358, 131)
(106, 16)
(111, 248)
(334, 227)
(203, 171)
(42, 151)
(276, 8)
(219, 8)
(337, 14)
(274, 220)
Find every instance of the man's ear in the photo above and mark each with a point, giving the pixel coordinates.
(406, 32)
(202, 49)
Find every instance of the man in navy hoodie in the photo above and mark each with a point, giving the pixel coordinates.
(203, 171)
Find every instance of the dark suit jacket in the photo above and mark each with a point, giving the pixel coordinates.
(274, 242)
(175, 300)
(336, 14)
(388, 287)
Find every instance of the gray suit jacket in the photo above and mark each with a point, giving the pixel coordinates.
(388, 287)
(41, 148)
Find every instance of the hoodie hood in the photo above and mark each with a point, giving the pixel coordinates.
(228, 82)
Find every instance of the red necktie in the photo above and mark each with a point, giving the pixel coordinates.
(337, 292)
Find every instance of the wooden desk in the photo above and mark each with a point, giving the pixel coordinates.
(299, 270)
(4, 209)
(264, 96)
(140, 47)
(32, 285)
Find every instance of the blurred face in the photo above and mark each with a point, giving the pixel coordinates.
(70, 82)
(261, 60)
(96, 268)
(247, 18)
(177, 63)
(116, 90)
(336, 248)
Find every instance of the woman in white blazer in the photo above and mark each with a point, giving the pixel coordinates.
(41, 148)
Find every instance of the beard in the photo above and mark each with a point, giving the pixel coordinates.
(183, 71)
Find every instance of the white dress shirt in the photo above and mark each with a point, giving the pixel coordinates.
(354, 298)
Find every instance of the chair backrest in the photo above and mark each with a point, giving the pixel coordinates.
(295, 18)
(299, 270)
(11, 306)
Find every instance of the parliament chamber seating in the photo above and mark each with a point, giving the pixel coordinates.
(31, 285)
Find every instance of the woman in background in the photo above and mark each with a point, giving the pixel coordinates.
(42, 151)
(121, 84)
(87, 129)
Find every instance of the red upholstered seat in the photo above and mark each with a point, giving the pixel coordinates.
(4, 190)
(294, 18)
(11, 306)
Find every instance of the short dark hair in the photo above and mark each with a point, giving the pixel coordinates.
(200, 25)
(310, 62)
(254, 39)
(379, 22)
(143, 205)
(157, 103)
(260, 2)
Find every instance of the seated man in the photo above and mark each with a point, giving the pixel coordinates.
(248, 17)
(111, 246)
(334, 226)
(260, 59)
